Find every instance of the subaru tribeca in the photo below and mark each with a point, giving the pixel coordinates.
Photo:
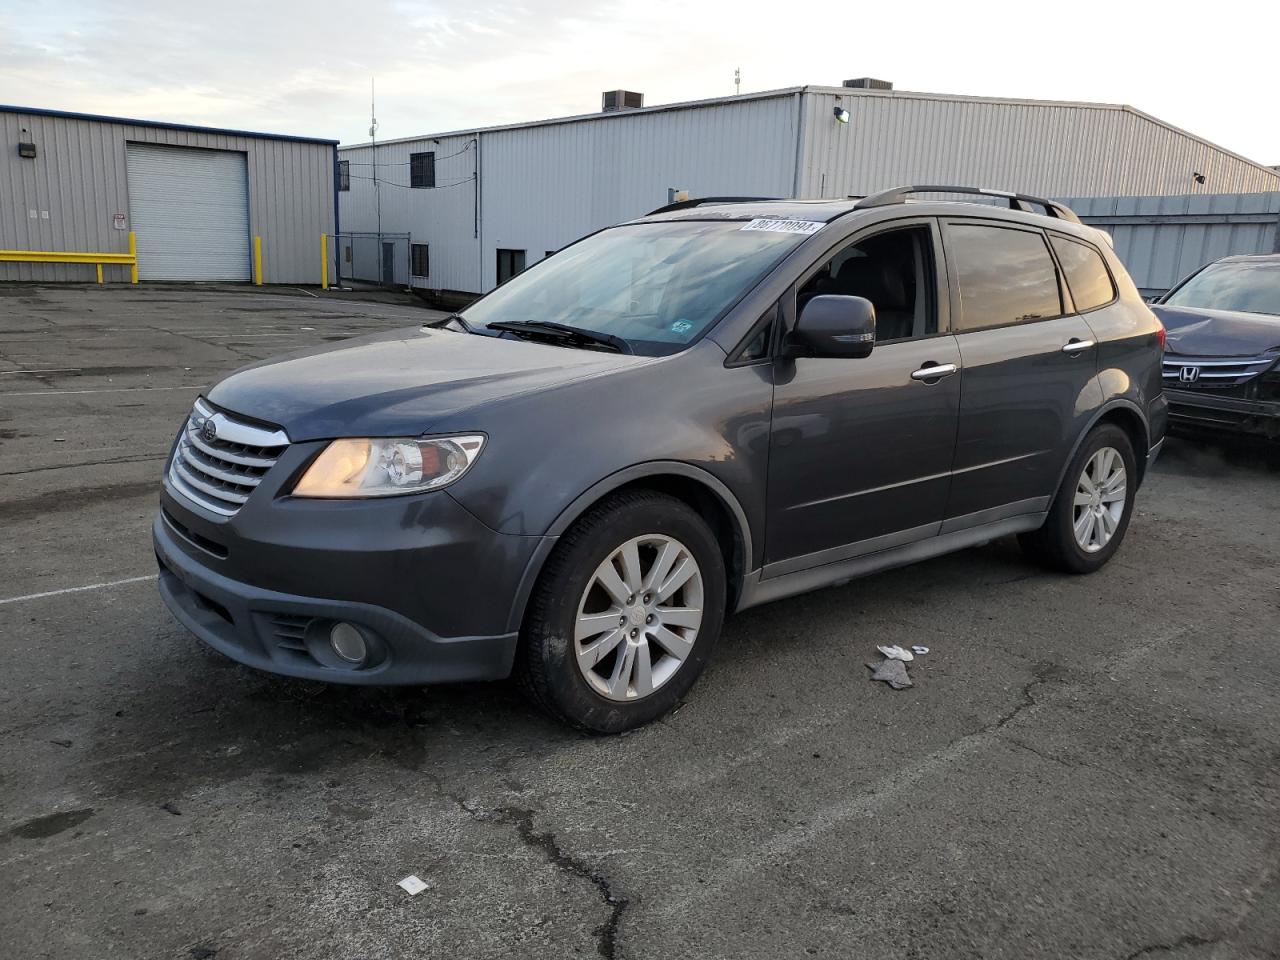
(719, 404)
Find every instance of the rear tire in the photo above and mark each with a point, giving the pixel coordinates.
(611, 639)
(1090, 514)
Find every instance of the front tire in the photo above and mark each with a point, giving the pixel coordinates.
(1091, 512)
(625, 614)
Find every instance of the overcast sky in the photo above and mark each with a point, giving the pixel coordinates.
(304, 67)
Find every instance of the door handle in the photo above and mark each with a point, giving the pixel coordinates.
(934, 371)
(1077, 346)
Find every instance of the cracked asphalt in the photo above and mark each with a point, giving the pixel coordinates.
(1085, 768)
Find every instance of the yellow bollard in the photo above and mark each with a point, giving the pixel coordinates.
(133, 252)
(324, 261)
(99, 266)
(257, 261)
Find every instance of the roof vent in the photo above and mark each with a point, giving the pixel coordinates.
(613, 100)
(869, 83)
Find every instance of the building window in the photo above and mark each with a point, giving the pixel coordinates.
(344, 174)
(422, 170)
(421, 257)
(510, 262)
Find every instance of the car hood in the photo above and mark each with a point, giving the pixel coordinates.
(399, 383)
(1198, 332)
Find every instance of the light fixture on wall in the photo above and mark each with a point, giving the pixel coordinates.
(27, 151)
(1198, 177)
(841, 114)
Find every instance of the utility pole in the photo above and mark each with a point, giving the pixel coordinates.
(377, 191)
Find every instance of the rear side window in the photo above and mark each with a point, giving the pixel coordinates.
(1087, 275)
(1005, 276)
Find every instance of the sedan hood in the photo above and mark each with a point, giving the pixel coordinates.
(399, 383)
(1218, 333)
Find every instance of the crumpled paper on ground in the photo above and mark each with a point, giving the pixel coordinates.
(892, 672)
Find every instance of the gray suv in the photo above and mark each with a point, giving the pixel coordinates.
(720, 404)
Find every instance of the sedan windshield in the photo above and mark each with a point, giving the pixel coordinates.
(658, 286)
(1250, 286)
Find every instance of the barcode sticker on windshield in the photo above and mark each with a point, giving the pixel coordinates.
(785, 226)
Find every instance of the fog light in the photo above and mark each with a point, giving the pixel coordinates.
(348, 643)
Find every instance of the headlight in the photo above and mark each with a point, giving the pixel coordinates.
(386, 468)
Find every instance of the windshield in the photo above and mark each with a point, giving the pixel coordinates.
(1250, 286)
(658, 286)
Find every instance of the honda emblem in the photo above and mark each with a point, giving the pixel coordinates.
(1189, 374)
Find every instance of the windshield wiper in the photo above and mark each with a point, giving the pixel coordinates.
(562, 331)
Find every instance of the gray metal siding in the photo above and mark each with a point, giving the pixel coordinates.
(444, 218)
(544, 186)
(1046, 149)
(80, 178)
(1162, 239)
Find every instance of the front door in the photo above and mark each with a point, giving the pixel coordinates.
(861, 449)
(1030, 367)
(388, 262)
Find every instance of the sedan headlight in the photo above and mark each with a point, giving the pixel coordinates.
(386, 468)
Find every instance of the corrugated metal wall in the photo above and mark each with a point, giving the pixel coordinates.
(443, 218)
(544, 186)
(79, 182)
(1162, 239)
(1050, 150)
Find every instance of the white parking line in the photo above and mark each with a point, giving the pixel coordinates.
(195, 387)
(91, 586)
(4, 373)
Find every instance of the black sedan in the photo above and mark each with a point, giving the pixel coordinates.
(1222, 362)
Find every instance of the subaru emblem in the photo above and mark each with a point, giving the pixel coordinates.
(1189, 374)
(209, 432)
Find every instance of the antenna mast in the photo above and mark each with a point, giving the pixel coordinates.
(373, 139)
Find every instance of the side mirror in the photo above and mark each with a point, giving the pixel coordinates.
(834, 326)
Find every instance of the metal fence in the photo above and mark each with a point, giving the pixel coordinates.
(1162, 239)
(378, 258)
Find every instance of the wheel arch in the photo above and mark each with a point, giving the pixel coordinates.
(1129, 417)
(705, 493)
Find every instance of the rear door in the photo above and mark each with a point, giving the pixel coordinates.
(861, 449)
(1030, 366)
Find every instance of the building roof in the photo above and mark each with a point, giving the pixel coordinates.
(98, 118)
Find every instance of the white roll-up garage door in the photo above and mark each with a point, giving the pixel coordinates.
(190, 211)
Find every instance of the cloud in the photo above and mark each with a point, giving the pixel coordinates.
(304, 67)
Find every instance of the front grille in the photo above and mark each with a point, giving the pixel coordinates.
(219, 460)
(1219, 374)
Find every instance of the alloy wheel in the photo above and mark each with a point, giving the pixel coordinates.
(638, 617)
(1100, 500)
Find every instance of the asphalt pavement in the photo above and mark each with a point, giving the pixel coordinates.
(1087, 767)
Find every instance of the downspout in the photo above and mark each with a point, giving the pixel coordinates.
(336, 219)
(479, 226)
(799, 134)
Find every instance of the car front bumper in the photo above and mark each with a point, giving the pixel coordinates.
(1207, 412)
(435, 593)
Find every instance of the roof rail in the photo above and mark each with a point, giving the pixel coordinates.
(699, 201)
(1017, 201)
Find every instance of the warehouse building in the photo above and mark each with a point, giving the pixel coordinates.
(202, 203)
(462, 211)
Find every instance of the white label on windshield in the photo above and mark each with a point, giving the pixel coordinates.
(805, 227)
